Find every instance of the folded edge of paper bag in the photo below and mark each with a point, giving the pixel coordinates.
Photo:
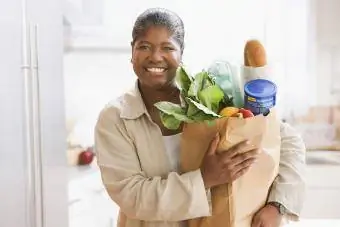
(195, 140)
(237, 130)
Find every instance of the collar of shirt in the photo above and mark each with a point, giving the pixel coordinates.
(133, 105)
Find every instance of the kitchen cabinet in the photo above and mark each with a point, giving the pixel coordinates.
(33, 168)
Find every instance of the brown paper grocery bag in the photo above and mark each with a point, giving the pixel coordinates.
(233, 205)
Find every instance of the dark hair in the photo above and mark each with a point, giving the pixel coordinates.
(159, 17)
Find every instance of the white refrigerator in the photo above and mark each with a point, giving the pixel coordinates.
(33, 171)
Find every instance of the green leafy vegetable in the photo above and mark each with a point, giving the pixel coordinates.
(173, 109)
(203, 108)
(191, 109)
(183, 80)
(201, 116)
(211, 97)
(197, 84)
(169, 121)
(201, 100)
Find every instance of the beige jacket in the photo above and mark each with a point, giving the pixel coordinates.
(136, 171)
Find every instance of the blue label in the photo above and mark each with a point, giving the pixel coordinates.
(259, 105)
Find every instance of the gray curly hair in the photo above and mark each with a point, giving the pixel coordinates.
(159, 17)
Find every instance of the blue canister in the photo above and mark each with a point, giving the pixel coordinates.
(259, 96)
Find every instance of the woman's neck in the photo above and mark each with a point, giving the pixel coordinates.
(151, 95)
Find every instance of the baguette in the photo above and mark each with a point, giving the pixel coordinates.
(254, 54)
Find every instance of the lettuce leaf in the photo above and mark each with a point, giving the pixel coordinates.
(172, 114)
(209, 113)
(197, 84)
(183, 80)
(169, 121)
(201, 100)
(211, 97)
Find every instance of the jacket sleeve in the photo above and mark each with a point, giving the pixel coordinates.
(175, 198)
(289, 186)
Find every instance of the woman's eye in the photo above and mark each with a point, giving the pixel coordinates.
(143, 47)
(168, 48)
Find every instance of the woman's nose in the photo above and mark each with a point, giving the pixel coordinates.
(156, 56)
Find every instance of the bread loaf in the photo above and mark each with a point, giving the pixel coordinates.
(254, 54)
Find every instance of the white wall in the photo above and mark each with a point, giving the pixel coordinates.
(327, 58)
(214, 30)
(91, 80)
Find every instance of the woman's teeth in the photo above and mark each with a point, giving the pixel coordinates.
(155, 70)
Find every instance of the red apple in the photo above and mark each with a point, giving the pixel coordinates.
(246, 113)
(86, 157)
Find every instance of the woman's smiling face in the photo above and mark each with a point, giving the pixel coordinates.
(155, 57)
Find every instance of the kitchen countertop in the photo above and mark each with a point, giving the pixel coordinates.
(315, 223)
(83, 180)
(76, 172)
(323, 172)
(331, 158)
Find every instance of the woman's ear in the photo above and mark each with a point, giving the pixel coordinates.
(131, 60)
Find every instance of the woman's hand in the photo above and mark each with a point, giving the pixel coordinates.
(227, 166)
(268, 216)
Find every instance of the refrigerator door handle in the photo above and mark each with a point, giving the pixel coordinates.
(35, 203)
(37, 136)
(27, 73)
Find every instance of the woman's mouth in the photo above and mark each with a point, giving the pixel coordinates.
(155, 70)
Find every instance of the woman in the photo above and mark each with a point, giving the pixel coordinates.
(138, 157)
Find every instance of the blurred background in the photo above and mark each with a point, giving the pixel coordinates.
(64, 60)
